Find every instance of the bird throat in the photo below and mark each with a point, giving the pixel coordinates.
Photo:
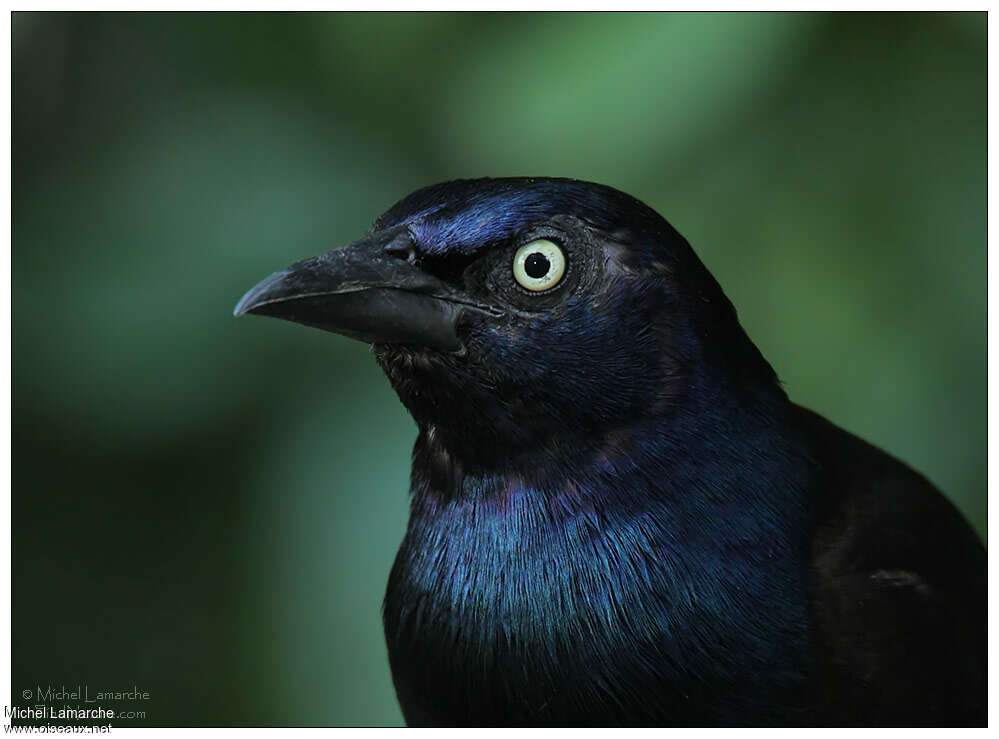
(591, 579)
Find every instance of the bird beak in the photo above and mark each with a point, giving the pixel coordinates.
(370, 290)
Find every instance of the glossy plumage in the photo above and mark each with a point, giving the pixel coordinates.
(618, 517)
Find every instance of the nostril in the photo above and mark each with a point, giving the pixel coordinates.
(401, 247)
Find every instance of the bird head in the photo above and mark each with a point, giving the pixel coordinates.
(523, 316)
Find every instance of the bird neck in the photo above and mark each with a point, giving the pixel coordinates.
(715, 447)
(690, 528)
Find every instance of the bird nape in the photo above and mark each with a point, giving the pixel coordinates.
(617, 515)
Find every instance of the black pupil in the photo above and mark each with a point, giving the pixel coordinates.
(537, 265)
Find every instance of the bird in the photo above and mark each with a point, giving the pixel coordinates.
(617, 515)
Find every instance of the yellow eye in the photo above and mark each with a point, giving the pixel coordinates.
(539, 265)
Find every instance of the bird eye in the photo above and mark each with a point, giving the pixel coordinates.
(538, 265)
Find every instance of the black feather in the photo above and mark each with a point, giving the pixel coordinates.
(619, 518)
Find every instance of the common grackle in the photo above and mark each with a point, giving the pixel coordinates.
(617, 515)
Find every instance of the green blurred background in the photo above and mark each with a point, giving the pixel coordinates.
(207, 509)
